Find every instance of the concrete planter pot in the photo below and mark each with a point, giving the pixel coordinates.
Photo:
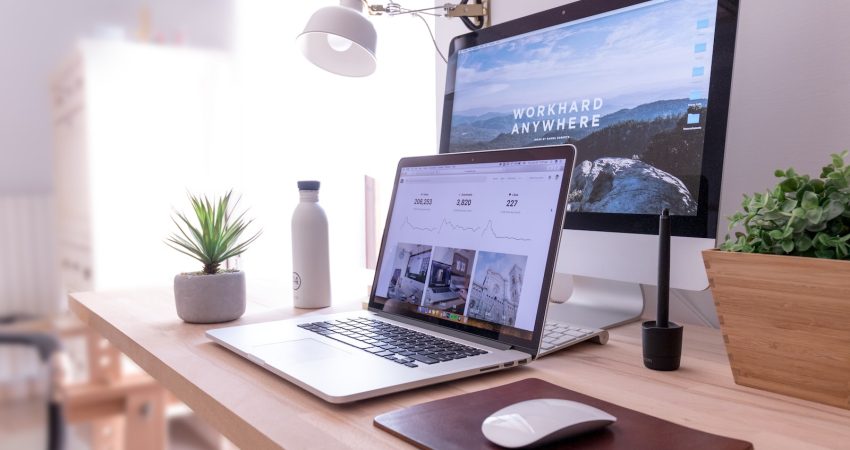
(210, 298)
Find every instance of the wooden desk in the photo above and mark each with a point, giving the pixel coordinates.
(255, 409)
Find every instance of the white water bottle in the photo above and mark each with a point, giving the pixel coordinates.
(311, 279)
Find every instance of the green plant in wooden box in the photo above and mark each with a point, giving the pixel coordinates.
(782, 290)
(801, 216)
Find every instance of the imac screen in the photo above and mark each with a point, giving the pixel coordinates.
(628, 87)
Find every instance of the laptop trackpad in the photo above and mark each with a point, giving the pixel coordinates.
(301, 350)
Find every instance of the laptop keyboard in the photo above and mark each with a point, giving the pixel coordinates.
(397, 344)
(557, 334)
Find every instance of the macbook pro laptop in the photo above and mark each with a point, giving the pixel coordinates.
(461, 286)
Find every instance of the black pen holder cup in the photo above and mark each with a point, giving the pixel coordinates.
(662, 347)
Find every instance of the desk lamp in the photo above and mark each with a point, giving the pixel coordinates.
(341, 40)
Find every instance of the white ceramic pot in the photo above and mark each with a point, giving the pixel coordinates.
(202, 298)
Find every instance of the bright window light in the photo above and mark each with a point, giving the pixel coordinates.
(299, 122)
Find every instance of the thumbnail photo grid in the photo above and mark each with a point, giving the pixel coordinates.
(481, 285)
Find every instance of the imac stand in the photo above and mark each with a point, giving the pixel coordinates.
(594, 302)
(601, 274)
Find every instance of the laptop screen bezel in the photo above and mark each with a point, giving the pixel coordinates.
(566, 152)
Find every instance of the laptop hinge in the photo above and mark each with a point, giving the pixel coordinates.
(447, 331)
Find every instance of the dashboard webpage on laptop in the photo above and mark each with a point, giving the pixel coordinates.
(468, 243)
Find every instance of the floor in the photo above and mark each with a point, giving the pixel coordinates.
(22, 427)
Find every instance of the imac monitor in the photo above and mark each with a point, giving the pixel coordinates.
(641, 88)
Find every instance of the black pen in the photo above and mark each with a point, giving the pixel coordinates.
(663, 269)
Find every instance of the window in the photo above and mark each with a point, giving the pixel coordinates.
(299, 122)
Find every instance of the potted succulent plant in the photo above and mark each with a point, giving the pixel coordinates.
(781, 286)
(213, 294)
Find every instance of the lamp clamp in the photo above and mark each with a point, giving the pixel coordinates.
(466, 10)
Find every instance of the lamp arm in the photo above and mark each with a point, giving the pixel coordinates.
(464, 10)
(394, 9)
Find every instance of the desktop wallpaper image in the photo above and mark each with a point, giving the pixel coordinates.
(628, 89)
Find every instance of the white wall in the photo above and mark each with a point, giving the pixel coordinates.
(297, 121)
(300, 122)
(790, 102)
(36, 34)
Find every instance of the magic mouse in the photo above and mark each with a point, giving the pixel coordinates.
(540, 421)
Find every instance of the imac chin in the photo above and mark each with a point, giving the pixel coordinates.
(598, 276)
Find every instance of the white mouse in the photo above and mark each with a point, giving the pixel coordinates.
(540, 421)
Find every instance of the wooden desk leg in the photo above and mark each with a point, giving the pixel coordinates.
(104, 360)
(146, 427)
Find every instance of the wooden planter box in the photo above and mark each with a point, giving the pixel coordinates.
(785, 322)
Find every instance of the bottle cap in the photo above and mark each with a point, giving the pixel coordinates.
(308, 185)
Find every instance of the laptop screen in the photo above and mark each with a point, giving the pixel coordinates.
(468, 243)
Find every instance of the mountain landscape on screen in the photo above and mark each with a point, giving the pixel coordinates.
(629, 93)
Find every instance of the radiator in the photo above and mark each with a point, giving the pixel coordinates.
(29, 278)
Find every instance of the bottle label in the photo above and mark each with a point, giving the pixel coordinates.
(296, 281)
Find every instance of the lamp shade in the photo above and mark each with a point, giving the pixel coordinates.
(341, 40)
